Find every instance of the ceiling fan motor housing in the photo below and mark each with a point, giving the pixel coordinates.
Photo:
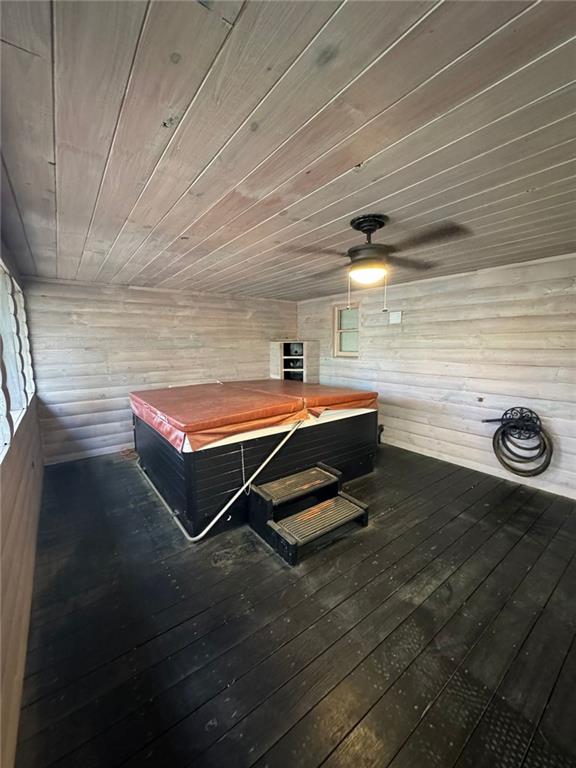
(369, 251)
(369, 222)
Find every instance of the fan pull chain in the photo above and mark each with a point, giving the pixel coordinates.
(349, 281)
(385, 308)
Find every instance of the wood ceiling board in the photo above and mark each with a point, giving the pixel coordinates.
(535, 202)
(323, 70)
(528, 221)
(265, 41)
(537, 216)
(24, 24)
(27, 126)
(413, 177)
(426, 119)
(178, 45)
(524, 155)
(10, 263)
(391, 77)
(13, 234)
(467, 120)
(546, 244)
(228, 9)
(535, 81)
(315, 289)
(542, 185)
(311, 284)
(95, 44)
(309, 274)
(537, 205)
(488, 242)
(480, 251)
(530, 274)
(394, 123)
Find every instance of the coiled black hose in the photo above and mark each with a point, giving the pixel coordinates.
(520, 440)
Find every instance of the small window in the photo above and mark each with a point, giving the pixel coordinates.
(346, 323)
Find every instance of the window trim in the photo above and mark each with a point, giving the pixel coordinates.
(336, 331)
(19, 355)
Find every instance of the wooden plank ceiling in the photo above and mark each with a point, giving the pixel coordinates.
(224, 146)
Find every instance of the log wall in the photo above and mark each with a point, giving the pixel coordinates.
(92, 345)
(468, 347)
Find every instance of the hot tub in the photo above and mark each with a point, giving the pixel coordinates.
(199, 443)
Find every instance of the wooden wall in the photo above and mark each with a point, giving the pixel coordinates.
(469, 347)
(92, 345)
(20, 489)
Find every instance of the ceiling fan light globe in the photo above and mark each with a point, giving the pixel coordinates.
(367, 274)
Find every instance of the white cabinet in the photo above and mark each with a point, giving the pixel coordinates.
(295, 359)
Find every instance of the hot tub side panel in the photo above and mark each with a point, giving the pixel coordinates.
(207, 479)
(164, 465)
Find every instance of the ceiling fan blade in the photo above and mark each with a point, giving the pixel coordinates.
(448, 230)
(403, 261)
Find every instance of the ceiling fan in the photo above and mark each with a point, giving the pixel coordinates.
(369, 261)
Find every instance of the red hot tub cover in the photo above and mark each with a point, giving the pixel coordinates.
(317, 397)
(206, 413)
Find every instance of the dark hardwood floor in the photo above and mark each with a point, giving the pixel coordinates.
(441, 635)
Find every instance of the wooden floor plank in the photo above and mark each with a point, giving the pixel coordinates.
(302, 694)
(404, 703)
(553, 742)
(191, 658)
(442, 732)
(147, 651)
(503, 558)
(90, 627)
(159, 514)
(157, 623)
(508, 725)
(352, 604)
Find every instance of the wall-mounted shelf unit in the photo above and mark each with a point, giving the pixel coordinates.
(295, 360)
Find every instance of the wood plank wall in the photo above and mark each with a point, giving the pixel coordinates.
(92, 345)
(468, 347)
(20, 490)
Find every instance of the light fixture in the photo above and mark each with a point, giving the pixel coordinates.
(367, 271)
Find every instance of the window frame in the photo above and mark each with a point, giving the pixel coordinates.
(337, 331)
(17, 386)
